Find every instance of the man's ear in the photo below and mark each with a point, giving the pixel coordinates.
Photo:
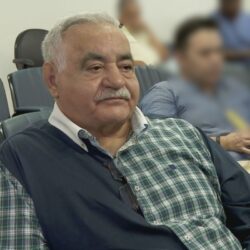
(49, 75)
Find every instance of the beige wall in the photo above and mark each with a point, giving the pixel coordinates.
(17, 16)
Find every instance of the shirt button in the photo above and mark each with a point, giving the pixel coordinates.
(137, 189)
(188, 237)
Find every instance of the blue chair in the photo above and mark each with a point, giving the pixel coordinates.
(28, 90)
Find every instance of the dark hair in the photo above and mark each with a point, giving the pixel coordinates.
(191, 26)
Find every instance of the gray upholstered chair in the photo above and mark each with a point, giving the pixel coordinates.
(28, 90)
(28, 48)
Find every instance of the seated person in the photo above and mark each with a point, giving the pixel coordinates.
(100, 176)
(145, 47)
(234, 27)
(200, 94)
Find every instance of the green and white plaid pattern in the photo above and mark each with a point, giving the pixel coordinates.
(19, 227)
(171, 172)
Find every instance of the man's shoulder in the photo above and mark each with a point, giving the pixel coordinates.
(171, 85)
(178, 134)
(170, 122)
(174, 126)
(33, 133)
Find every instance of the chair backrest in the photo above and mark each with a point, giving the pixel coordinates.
(148, 76)
(4, 109)
(29, 90)
(28, 48)
(19, 123)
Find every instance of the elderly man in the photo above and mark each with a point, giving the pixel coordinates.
(99, 175)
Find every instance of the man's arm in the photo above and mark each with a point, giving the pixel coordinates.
(235, 191)
(238, 141)
(159, 102)
(19, 227)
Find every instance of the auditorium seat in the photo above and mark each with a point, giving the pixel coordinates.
(148, 76)
(28, 90)
(17, 124)
(28, 48)
(4, 109)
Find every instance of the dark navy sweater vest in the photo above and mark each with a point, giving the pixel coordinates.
(77, 202)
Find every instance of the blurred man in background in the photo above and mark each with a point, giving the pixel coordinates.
(145, 46)
(234, 26)
(219, 106)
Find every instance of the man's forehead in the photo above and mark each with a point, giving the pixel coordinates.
(103, 41)
(88, 32)
(205, 36)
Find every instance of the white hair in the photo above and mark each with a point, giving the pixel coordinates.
(52, 49)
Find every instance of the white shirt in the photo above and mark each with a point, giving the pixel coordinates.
(64, 124)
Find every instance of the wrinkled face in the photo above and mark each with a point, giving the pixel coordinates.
(202, 58)
(98, 85)
(230, 8)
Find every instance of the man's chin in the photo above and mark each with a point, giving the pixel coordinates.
(115, 114)
(114, 107)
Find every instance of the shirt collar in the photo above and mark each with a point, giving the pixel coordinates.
(63, 123)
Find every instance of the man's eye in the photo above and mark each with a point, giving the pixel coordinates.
(95, 69)
(127, 68)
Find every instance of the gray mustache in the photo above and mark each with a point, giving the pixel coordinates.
(110, 93)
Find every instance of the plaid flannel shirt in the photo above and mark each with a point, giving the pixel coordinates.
(171, 172)
(19, 227)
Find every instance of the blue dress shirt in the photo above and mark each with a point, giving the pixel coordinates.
(181, 99)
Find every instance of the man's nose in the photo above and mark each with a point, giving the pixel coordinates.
(114, 78)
